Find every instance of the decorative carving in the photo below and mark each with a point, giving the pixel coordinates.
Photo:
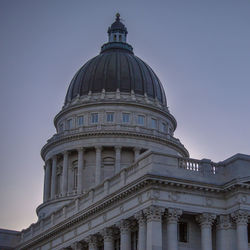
(156, 194)
(139, 198)
(240, 217)
(124, 226)
(172, 215)
(209, 202)
(77, 246)
(205, 219)
(173, 196)
(224, 222)
(153, 213)
(121, 209)
(140, 217)
(108, 234)
(92, 240)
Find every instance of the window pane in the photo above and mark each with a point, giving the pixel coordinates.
(125, 117)
(61, 127)
(141, 119)
(110, 117)
(154, 123)
(94, 118)
(70, 124)
(164, 127)
(183, 234)
(80, 120)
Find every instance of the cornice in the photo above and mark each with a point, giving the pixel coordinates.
(77, 136)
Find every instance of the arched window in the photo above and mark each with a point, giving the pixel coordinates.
(115, 38)
(120, 38)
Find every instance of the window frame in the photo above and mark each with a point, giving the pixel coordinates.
(143, 119)
(92, 119)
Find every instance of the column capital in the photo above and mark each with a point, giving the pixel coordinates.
(224, 222)
(80, 149)
(153, 213)
(92, 240)
(140, 217)
(77, 246)
(118, 147)
(172, 215)
(240, 217)
(205, 219)
(98, 147)
(65, 152)
(124, 226)
(54, 157)
(108, 234)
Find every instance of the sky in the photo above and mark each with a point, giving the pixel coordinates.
(199, 49)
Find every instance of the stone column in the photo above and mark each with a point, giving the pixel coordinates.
(225, 233)
(241, 219)
(92, 242)
(53, 177)
(117, 159)
(172, 216)
(65, 173)
(108, 238)
(142, 232)
(154, 227)
(47, 181)
(98, 165)
(136, 153)
(206, 220)
(125, 235)
(80, 170)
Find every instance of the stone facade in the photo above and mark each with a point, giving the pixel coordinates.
(115, 177)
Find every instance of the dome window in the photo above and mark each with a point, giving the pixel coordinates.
(153, 123)
(110, 117)
(80, 120)
(94, 118)
(70, 124)
(125, 117)
(141, 120)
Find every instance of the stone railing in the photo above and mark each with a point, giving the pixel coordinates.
(205, 165)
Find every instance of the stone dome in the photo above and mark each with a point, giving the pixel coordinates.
(116, 68)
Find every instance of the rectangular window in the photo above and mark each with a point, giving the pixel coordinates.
(164, 127)
(154, 123)
(183, 232)
(125, 117)
(60, 127)
(248, 232)
(94, 117)
(110, 117)
(80, 120)
(70, 124)
(141, 119)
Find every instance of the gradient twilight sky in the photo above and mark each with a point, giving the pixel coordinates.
(199, 49)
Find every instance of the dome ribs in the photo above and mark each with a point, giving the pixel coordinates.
(114, 69)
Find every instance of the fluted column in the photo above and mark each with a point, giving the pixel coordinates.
(92, 242)
(65, 173)
(154, 227)
(142, 232)
(117, 159)
(47, 181)
(225, 238)
(125, 234)
(80, 170)
(172, 216)
(241, 219)
(108, 238)
(53, 177)
(206, 220)
(98, 164)
(136, 153)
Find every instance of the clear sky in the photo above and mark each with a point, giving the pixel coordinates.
(199, 49)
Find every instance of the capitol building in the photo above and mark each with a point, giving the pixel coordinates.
(116, 178)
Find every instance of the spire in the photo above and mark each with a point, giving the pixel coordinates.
(117, 31)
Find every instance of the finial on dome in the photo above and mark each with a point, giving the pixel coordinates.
(117, 16)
